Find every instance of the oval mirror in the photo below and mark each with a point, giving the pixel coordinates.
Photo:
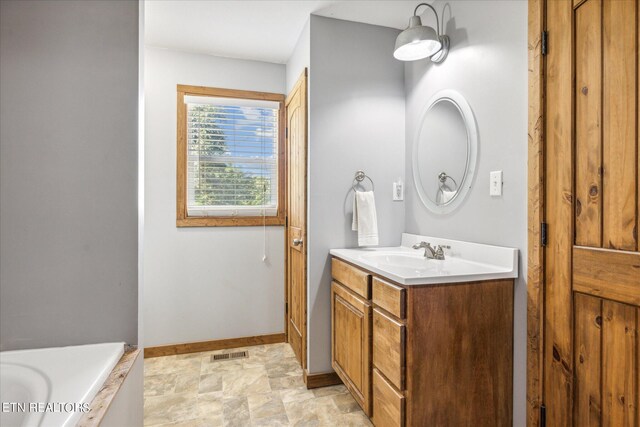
(444, 152)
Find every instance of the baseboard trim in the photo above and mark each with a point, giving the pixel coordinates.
(195, 347)
(321, 380)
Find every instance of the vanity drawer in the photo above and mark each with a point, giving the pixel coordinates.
(390, 297)
(389, 347)
(351, 277)
(388, 404)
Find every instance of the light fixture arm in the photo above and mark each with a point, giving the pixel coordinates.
(415, 13)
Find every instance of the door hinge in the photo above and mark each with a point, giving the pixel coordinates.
(544, 42)
(543, 234)
(286, 132)
(286, 221)
(543, 416)
(286, 307)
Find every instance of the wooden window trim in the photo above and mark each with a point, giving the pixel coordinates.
(184, 220)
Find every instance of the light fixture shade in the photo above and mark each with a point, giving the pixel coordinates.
(416, 43)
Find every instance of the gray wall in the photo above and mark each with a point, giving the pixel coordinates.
(202, 283)
(488, 65)
(68, 172)
(356, 122)
(300, 58)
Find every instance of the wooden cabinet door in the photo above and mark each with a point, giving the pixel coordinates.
(351, 343)
(592, 258)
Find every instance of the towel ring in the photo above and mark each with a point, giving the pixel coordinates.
(360, 176)
(442, 177)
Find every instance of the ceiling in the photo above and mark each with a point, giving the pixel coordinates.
(263, 30)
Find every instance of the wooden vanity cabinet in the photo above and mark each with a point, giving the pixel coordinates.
(440, 355)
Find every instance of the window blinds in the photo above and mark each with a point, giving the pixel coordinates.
(232, 157)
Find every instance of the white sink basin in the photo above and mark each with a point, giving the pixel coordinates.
(400, 260)
(464, 262)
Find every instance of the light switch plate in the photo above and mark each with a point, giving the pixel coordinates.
(495, 183)
(398, 191)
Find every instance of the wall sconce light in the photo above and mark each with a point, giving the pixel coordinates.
(419, 41)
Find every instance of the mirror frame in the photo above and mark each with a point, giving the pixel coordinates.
(449, 95)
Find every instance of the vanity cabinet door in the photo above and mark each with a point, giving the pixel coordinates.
(351, 343)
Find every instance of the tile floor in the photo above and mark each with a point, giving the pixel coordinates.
(265, 389)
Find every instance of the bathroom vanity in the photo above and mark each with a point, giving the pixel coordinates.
(420, 341)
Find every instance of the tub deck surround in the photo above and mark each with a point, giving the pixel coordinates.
(74, 374)
(102, 401)
(465, 261)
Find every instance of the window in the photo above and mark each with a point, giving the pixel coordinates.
(230, 157)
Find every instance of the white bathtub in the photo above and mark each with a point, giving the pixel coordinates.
(58, 376)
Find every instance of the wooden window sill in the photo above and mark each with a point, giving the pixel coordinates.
(246, 221)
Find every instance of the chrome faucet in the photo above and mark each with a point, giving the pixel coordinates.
(430, 252)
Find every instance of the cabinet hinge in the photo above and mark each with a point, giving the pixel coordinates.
(286, 221)
(543, 234)
(543, 416)
(544, 42)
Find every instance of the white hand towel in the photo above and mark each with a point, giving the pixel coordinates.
(448, 195)
(365, 220)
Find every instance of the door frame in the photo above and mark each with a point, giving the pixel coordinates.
(535, 213)
(303, 85)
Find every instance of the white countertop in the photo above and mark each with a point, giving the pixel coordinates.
(464, 262)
